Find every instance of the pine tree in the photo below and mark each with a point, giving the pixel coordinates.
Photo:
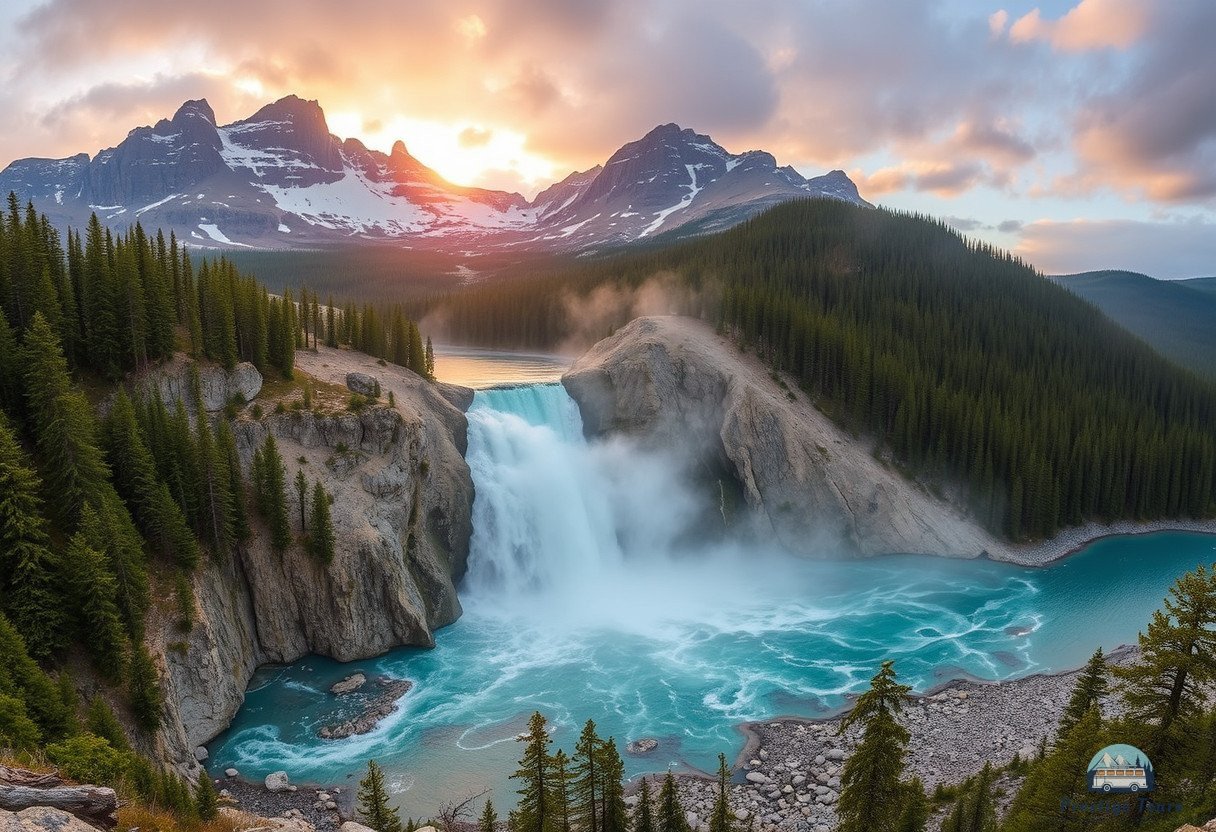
(719, 816)
(489, 819)
(226, 444)
(273, 496)
(915, 811)
(373, 802)
(430, 359)
(321, 540)
(671, 813)
(561, 790)
(28, 567)
(94, 597)
(62, 422)
(23, 679)
(535, 811)
(206, 800)
(144, 687)
(1162, 689)
(1087, 693)
(614, 817)
(585, 780)
(215, 499)
(1054, 783)
(101, 722)
(870, 794)
(643, 812)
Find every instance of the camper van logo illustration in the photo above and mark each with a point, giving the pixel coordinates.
(1120, 768)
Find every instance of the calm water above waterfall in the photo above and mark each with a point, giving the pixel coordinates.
(582, 601)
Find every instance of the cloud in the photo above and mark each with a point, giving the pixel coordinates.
(1154, 133)
(1162, 249)
(1091, 24)
(474, 137)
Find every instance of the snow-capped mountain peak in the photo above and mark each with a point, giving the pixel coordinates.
(279, 178)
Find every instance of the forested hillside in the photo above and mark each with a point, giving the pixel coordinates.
(103, 509)
(969, 365)
(1176, 317)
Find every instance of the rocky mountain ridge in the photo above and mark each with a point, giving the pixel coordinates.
(280, 179)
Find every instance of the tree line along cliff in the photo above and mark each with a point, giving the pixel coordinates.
(112, 496)
(966, 363)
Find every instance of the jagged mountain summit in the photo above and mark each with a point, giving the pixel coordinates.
(280, 179)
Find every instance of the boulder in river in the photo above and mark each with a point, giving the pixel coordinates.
(348, 685)
(643, 746)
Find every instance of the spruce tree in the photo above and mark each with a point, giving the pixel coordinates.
(1055, 782)
(62, 423)
(489, 818)
(100, 721)
(374, 809)
(1087, 693)
(94, 598)
(215, 499)
(671, 817)
(321, 539)
(1162, 689)
(643, 812)
(144, 689)
(561, 790)
(915, 811)
(535, 811)
(206, 801)
(870, 794)
(585, 780)
(226, 444)
(22, 678)
(273, 497)
(29, 570)
(614, 817)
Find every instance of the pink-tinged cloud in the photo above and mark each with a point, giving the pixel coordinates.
(1167, 250)
(1091, 24)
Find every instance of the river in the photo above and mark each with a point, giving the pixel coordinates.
(584, 600)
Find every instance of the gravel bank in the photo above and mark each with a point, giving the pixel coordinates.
(788, 774)
(307, 803)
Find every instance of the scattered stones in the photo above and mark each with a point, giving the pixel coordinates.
(277, 782)
(231, 772)
(348, 685)
(643, 746)
(757, 777)
(378, 706)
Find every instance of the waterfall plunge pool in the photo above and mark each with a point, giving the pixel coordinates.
(581, 603)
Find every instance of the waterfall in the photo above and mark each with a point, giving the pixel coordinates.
(553, 512)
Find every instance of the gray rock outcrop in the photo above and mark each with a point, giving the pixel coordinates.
(362, 383)
(807, 483)
(219, 386)
(402, 501)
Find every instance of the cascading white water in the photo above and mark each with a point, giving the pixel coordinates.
(552, 511)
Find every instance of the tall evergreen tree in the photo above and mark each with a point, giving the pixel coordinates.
(302, 499)
(671, 812)
(206, 800)
(1048, 796)
(561, 790)
(614, 815)
(870, 794)
(146, 695)
(643, 812)
(915, 812)
(94, 598)
(28, 568)
(585, 780)
(374, 808)
(535, 810)
(321, 537)
(272, 496)
(1087, 693)
(489, 819)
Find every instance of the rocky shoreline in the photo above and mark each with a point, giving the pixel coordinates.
(788, 773)
(1073, 540)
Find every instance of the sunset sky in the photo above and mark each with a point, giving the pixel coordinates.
(1080, 134)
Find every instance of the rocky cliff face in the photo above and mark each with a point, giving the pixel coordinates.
(402, 499)
(807, 484)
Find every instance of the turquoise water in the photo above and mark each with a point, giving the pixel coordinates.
(581, 602)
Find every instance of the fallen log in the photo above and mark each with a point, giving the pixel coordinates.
(25, 777)
(96, 805)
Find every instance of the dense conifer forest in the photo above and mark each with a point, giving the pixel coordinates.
(969, 365)
(108, 495)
